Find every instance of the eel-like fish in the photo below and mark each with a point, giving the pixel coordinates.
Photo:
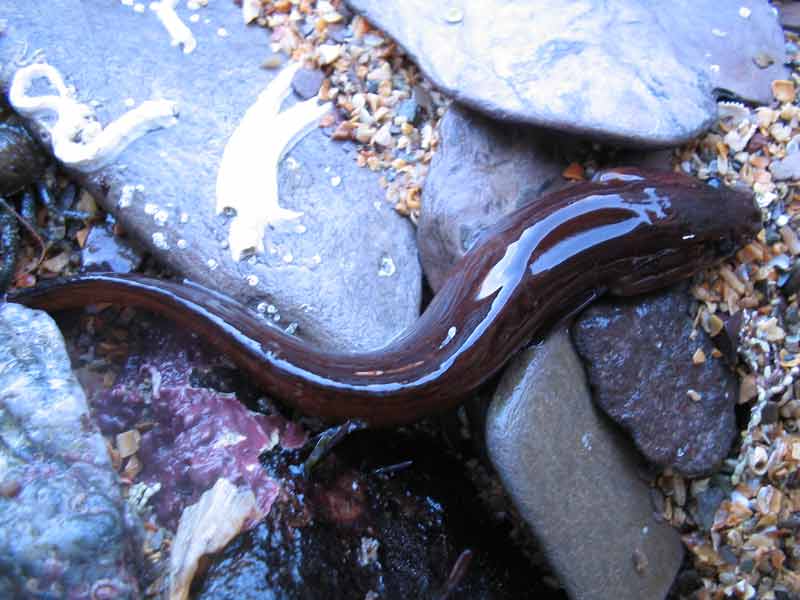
(627, 232)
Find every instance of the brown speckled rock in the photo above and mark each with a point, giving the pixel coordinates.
(638, 354)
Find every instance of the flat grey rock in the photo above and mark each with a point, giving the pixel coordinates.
(351, 279)
(575, 480)
(482, 170)
(638, 354)
(626, 71)
(64, 527)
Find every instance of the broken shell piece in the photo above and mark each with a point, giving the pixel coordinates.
(205, 528)
(251, 9)
(734, 113)
(737, 138)
(247, 179)
(757, 460)
(128, 442)
(783, 90)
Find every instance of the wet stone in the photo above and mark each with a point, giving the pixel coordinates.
(638, 354)
(317, 271)
(65, 530)
(105, 251)
(481, 171)
(628, 71)
(408, 109)
(20, 159)
(705, 506)
(787, 167)
(575, 479)
(306, 82)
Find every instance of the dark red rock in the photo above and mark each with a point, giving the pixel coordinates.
(194, 434)
(639, 358)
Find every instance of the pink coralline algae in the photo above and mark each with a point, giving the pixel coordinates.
(193, 436)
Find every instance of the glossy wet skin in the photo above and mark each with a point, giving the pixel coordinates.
(627, 233)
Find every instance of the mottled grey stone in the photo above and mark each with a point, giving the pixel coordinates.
(787, 167)
(575, 480)
(638, 354)
(64, 527)
(333, 287)
(306, 82)
(105, 251)
(634, 72)
(482, 171)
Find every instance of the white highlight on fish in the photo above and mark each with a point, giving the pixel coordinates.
(77, 137)
(247, 179)
(178, 31)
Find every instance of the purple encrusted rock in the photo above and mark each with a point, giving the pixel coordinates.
(191, 435)
(638, 355)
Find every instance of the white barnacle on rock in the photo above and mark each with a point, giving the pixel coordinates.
(77, 138)
(247, 180)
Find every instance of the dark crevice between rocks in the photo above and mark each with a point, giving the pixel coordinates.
(422, 517)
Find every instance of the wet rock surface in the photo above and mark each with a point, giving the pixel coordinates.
(105, 251)
(552, 65)
(638, 355)
(65, 530)
(349, 532)
(575, 480)
(481, 171)
(342, 293)
(20, 159)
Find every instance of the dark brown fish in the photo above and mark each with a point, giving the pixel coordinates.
(627, 232)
